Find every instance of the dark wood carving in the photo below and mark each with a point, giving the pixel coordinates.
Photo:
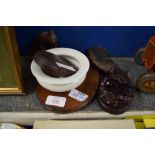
(115, 93)
(45, 40)
(98, 56)
(53, 64)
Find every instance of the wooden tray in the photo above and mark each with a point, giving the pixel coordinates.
(89, 87)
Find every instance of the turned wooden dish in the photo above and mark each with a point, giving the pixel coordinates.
(89, 87)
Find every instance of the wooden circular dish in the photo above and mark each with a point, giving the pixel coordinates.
(89, 87)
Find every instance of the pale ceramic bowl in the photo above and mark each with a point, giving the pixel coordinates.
(63, 84)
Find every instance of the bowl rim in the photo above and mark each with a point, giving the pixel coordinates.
(80, 57)
(63, 87)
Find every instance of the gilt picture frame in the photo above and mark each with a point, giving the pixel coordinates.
(10, 68)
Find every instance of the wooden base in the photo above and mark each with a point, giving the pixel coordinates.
(89, 87)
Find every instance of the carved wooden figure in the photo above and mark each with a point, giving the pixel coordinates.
(45, 40)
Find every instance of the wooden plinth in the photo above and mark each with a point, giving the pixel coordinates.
(89, 87)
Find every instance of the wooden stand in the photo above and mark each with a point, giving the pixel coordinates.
(89, 87)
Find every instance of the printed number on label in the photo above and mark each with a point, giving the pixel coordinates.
(56, 101)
